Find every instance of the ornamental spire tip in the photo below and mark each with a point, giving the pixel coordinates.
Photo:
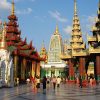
(13, 8)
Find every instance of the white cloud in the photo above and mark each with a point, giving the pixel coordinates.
(68, 29)
(5, 5)
(91, 19)
(89, 22)
(25, 11)
(57, 16)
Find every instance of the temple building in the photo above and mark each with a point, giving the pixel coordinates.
(26, 59)
(94, 46)
(77, 45)
(85, 60)
(55, 66)
(20, 60)
(76, 51)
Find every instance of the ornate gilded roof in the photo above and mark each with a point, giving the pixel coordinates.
(43, 52)
(14, 43)
(94, 41)
(76, 40)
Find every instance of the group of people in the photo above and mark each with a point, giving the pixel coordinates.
(56, 81)
(45, 81)
(83, 81)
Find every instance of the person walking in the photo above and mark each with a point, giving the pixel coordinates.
(58, 81)
(80, 81)
(54, 80)
(44, 84)
(34, 84)
(17, 81)
(48, 82)
(28, 81)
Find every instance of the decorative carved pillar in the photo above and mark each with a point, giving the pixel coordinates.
(33, 69)
(23, 67)
(38, 69)
(98, 68)
(71, 70)
(15, 66)
(82, 67)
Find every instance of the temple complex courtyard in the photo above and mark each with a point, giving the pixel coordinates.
(65, 92)
(74, 60)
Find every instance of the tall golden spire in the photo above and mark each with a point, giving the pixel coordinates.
(3, 41)
(13, 8)
(76, 41)
(76, 22)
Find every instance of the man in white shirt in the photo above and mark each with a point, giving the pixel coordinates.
(58, 81)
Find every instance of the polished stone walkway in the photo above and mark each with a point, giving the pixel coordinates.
(65, 92)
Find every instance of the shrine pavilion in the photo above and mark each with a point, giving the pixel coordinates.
(26, 59)
(80, 57)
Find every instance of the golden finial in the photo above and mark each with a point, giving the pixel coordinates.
(13, 8)
(57, 30)
(75, 7)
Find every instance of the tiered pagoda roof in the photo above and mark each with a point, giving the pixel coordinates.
(14, 43)
(94, 41)
(77, 45)
(43, 52)
(13, 33)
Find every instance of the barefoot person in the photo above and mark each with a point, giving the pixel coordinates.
(44, 84)
(54, 80)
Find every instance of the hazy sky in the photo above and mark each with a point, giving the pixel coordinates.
(37, 19)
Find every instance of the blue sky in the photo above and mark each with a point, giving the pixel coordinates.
(37, 19)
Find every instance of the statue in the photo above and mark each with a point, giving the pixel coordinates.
(6, 66)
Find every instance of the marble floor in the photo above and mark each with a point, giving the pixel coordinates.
(65, 92)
